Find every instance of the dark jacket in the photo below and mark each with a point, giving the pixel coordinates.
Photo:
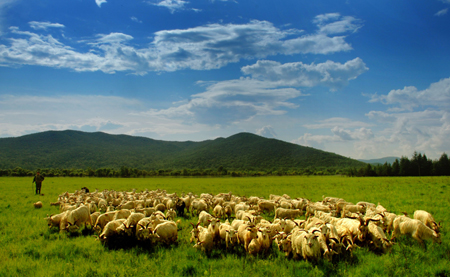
(38, 178)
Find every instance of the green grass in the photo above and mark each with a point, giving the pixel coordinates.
(28, 248)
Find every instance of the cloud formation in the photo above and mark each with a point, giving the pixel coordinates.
(330, 74)
(441, 12)
(200, 48)
(267, 131)
(232, 101)
(172, 5)
(100, 2)
(415, 120)
(408, 98)
(117, 115)
(44, 25)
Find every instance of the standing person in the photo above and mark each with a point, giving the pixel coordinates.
(38, 178)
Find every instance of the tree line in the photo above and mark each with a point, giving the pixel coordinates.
(418, 165)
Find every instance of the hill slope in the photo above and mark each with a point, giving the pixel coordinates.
(75, 149)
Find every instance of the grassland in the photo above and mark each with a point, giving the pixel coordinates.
(28, 248)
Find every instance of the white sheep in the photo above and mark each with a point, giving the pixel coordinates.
(78, 217)
(110, 230)
(166, 232)
(55, 220)
(416, 229)
(204, 218)
(287, 213)
(427, 219)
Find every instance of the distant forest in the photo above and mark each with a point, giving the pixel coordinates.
(418, 165)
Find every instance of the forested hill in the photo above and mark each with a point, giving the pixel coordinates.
(75, 149)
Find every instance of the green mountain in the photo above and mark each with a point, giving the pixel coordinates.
(75, 149)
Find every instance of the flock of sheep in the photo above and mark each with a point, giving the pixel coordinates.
(331, 227)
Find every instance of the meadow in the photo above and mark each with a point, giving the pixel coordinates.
(29, 248)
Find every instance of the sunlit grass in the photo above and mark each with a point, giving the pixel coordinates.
(28, 248)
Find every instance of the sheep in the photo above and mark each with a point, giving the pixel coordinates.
(131, 223)
(358, 228)
(311, 208)
(288, 225)
(353, 209)
(213, 228)
(142, 232)
(228, 234)
(284, 204)
(284, 243)
(198, 205)
(287, 213)
(205, 240)
(37, 205)
(166, 232)
(124, 213)
(77, 217)
(204, 218)
(160, 207)
(254, 247)
(218, 211)
(55, 220)
(311, 247)
(110, 230)
(427, 219)
(227, 211)
(416, 229)
(241, 207)
(102, 205)
(236, 223)
(102, 220)
(94, 217)
(388, 221)
(171, 214)
(306, 244)
(378, 238)
(266, 205)
(127, 205)
(246, 233)
(264, 239)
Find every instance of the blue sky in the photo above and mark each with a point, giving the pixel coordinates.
(363, 79)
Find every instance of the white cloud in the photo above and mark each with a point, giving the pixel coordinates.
(100, 2)
(19, 116)
(415, 120)
(113, 38)
(232, 101)
(331, 74)
(201, 48)
(337, 122)
(44, 25)
(358, 134)
(316, 141)
(266, 131)
(172, 5)
(334, 23)
(441, 12)
(408, 98)
(135, 19)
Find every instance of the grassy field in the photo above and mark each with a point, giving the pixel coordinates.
(28, 248)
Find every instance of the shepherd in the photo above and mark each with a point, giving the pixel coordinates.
(38, 178)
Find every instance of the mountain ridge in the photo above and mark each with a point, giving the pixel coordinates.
(77, 149)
